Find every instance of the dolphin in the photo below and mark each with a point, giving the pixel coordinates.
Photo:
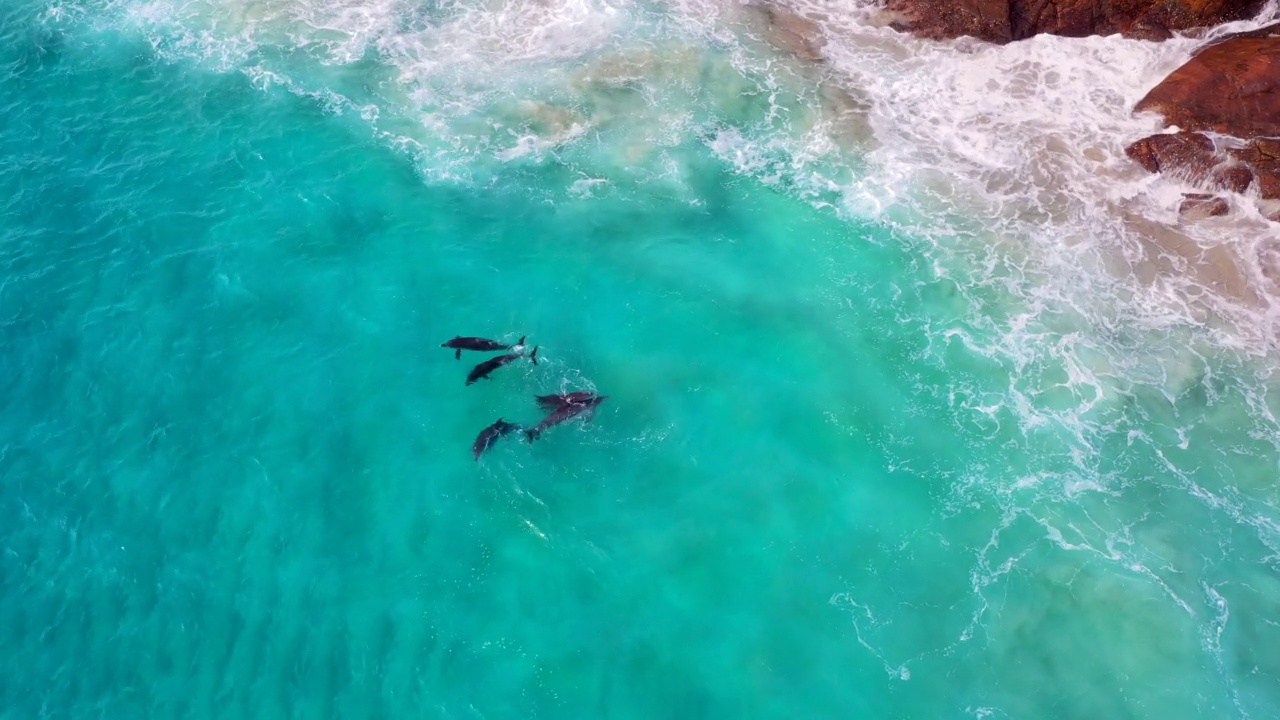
(459, 343)
(491, 435)
(483, 369)
(551, 403)
(566, 411)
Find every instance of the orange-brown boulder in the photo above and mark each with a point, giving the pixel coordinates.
(1263, 157)
(1002, 21)
(1230, 87)
(1188, 152)
(1234, 177)
(1193, 156)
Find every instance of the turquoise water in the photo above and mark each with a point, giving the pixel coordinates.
(830, 480)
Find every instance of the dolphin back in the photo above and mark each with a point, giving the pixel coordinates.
(490, 435)
(481, 370)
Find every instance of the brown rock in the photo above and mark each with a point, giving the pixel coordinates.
(1159, 20)
(1192, 153)
(1269, 185)
(1231, 87)
(946, 19)
(1193, 156)
(1236, 178)
(1002, 21)
(1197, 206)
(1263, 158)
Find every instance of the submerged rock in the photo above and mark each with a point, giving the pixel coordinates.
(787, 30)
(1236, 178)
(1003, 21)
(1197, 206)
(1231, 88)
(1194, 156)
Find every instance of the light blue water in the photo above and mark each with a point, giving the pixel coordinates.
(235, 470)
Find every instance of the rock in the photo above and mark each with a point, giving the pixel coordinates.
(1192, 153)
(1262, 156)
(1230, 87)
(1236, 178)
(1193, 156)
(1197, 206)
(947, 19)
(1002, 21)
(1269, 186)
(789, 31)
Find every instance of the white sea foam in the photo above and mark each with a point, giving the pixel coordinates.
(1010, 161)
(1007, 161)
(1018, 151)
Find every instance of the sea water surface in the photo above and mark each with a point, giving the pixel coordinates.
(910, 413)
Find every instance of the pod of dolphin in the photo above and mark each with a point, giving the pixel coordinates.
(560, 407)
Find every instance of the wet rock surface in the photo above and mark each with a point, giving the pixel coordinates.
(1232, 89)
(1003, 21)
(1197, 206)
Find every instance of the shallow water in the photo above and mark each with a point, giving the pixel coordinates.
(890, 463)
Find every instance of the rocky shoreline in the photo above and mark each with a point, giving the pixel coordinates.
(1221, 108)
(1225, 105)
(1003, 21)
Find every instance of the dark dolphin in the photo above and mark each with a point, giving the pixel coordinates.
(566, 411)
(491, 435)
(460, 343)
(483, 369)
(551, 403)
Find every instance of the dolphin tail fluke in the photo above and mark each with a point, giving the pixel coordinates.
(534, 356)
(531, 434)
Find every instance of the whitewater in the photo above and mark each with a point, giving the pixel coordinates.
(923, 400)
